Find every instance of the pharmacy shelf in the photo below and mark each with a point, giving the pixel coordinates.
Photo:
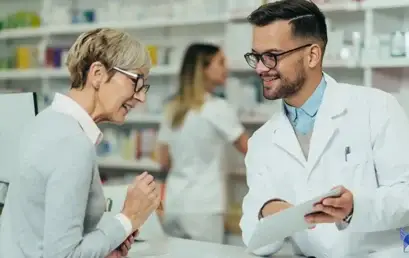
(377, 4)
(119, 163)
(50, 73)
(340, 6)
(253, 120)
(74, 29)
(135, 118)
(393, 62)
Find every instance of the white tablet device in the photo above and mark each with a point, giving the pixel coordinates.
(285, 223)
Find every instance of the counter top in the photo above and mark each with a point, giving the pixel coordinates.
(182, 248)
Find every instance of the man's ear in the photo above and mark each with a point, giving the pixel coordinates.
(314, 55)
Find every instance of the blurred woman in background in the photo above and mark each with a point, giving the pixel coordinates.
(191, 140)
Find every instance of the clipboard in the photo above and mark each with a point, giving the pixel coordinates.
(285, 223)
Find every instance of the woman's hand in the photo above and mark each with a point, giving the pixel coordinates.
(124, 248)
(114, 254)
(142, 198)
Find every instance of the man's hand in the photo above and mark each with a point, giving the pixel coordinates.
(331, 210)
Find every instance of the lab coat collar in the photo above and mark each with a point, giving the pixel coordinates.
(332, 108)
(68, 106)
(310, 107)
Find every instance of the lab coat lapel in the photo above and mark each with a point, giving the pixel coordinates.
(284, 137)
(330, 114)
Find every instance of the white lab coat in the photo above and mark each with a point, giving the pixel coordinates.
(375, 128)
(195, 197)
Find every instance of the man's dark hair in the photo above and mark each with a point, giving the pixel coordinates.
(304, 16)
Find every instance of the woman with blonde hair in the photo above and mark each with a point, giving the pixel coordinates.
(55, 201)
(191, 138)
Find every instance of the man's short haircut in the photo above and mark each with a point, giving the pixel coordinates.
(304, 16)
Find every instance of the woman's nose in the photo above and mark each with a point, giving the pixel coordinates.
(140, 96)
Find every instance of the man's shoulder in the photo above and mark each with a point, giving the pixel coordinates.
(361, 93)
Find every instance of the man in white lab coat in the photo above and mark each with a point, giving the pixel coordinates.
(327, 134)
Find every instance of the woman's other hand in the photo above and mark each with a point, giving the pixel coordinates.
(142, 198)
(124, 248)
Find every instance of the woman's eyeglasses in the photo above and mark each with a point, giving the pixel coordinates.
(138, 80)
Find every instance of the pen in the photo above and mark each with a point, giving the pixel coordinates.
(347, 152)
(108, 206)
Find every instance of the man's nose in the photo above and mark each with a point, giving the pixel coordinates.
(261, 68)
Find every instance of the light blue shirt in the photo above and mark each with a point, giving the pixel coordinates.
(303, 118)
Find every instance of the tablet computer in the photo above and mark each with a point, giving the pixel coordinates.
(282, 224)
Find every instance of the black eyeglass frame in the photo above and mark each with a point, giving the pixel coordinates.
(275, 56)
(138, 80)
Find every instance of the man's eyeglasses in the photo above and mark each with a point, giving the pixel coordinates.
(138, 80)
(269, 59)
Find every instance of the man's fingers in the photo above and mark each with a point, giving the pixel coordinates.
(332, 211)
(339, 202)
(319, 217)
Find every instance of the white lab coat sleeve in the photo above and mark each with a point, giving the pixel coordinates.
(165, 130)
(386, 207)
(225, 118)
(260, 191)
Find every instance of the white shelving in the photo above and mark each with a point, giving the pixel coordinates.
(50, 73)
(119, 163)
(74, 29)
(155, 119)
(369, 17)
(143, 118)
(393, 62)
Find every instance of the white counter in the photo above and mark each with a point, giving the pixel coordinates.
(181, 248)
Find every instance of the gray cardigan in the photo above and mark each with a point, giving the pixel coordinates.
(55, 201)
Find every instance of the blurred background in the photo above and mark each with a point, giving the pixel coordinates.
(368, 45)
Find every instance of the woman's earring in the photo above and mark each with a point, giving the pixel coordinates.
(96, 85)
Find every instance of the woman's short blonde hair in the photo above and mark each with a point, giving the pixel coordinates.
(113, 48)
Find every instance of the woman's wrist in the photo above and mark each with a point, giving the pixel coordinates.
(134, 219)
(126, 223)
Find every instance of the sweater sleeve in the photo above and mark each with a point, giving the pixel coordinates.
(68, 169)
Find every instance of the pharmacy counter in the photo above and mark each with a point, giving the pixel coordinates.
(181, 248)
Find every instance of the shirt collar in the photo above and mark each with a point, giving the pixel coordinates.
(68, 106)
(312, 104)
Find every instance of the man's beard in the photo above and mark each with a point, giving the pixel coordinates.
(288, 88)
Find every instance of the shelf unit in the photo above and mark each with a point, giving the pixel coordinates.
(368, 16)
(119, 163)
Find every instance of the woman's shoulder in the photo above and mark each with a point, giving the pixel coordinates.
(214, 103)
(52, 131)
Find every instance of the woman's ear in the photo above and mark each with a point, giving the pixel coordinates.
(96, 73)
